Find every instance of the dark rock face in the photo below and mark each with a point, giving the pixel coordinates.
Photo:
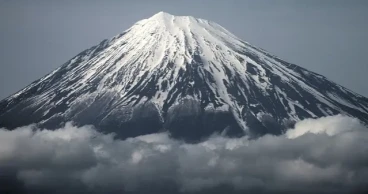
(187, 120)
(189, 77)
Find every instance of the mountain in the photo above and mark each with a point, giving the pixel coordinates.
(189, 76)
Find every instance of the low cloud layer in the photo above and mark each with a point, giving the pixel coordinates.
(326, 155)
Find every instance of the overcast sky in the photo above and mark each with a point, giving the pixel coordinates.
(329, 37)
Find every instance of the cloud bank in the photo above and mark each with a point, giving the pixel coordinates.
(326, 155)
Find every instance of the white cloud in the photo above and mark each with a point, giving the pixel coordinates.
(319, 155)
(330, 125)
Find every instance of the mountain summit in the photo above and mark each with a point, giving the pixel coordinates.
(180, 74)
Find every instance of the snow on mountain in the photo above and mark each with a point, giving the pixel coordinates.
(186, 75)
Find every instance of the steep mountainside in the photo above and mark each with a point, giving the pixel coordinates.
(178, 73)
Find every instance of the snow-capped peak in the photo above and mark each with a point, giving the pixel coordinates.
(179, 66)
(162, 15)
(185, 27)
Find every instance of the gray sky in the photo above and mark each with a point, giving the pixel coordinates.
(329, 37)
